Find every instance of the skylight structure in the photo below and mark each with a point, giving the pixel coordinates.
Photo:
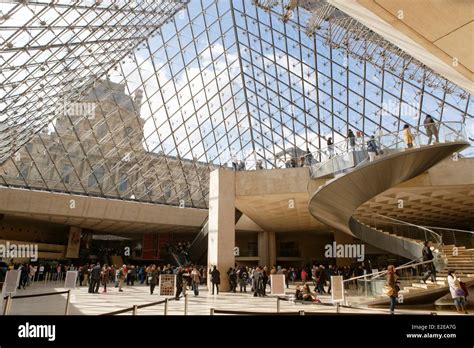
(142, 102)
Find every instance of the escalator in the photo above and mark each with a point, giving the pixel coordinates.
(198, 249)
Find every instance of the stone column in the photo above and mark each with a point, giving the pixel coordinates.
(221, 241)
(343, 238)
(271, 250)
(267, 249)
(263, 252)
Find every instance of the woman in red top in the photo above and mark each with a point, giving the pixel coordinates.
(304, 276)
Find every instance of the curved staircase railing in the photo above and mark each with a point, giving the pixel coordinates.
(335, 202)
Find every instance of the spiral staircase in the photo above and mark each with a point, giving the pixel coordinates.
(335, 204)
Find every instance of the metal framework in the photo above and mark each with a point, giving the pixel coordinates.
(140, 100)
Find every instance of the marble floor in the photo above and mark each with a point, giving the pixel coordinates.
(83, 303)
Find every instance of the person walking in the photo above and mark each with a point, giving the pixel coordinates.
(431, 129)
(407, 136)
(430, 270)
(457, 293)
(392, 287)
(372, 149)
(215, 279)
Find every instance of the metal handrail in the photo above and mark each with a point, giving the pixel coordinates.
(380, 273)
(398, 138)
(342, 147)
(438, 237)
(135, 307)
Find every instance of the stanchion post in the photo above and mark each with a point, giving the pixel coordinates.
(212, 311)
(337, 307)
(135, 309)
(186, 304)
(68, 299)
(6, 309)
(166, 307)
(278, 305)
(301, 312)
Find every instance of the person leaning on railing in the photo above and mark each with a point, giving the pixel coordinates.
(407, 136)
(431, 129)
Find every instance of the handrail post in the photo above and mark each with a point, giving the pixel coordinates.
(166, 307)
(186, 304)
(212, 311)
(278, 305)
(68, 299)
(135, 309)
(6, 309)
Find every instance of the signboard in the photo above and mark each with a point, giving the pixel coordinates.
(71, 280)
(277, 282)
(74, 243)
(167, 285)
(337, 289)
(12, 281)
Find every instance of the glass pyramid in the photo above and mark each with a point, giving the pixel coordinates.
(140, 100)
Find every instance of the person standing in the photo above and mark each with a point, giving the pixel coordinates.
(179, 283)
(196, 280)
(457, 293)
(152, 276)
(232, 279)
(215, 279)
(256, 282)
(407, 136)
(95, 279)
(104, 275)
(431, 129)
(429, 267)
(392, 287)
(243, 276)
(309, 157)
(121, 277)
(330, 145)
(351, 139)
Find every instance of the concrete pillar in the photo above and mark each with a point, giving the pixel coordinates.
(267, 249)
(263, 252)
(221, 241)
(271, 249)
(343, 238)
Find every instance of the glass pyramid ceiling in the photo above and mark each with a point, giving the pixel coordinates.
(222, 80)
